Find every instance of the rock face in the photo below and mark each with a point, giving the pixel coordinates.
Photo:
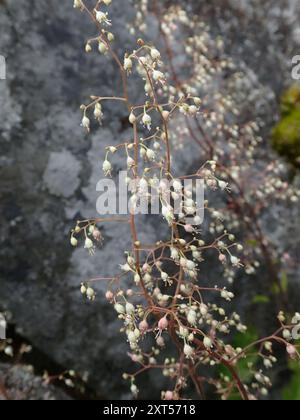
(49, 169)
(19, 383)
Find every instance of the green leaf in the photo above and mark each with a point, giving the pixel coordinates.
(292, 391)
(275, 289)
(261, 299)
(284, 281)
(243, 340)
(252, 242)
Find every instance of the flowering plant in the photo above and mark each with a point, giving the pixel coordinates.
(173, 320)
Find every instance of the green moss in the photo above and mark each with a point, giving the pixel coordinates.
(290, 100)
(286, 138)
(286, 135)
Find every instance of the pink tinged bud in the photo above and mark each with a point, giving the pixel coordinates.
(189, 228)
(160, 342)
(291, 350)
(163, 324)
(134, 358)
(97, 235)
(146, 268)
(169, 396)
(109, 295)
(143, 326)
(222, 258)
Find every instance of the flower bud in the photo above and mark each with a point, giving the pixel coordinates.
(291, 350)
(86, 123)
(223, 185)
(169, 396)
(222, 258)
(137, 279)
(77, 4)
(203, 309)
(147, 120)
(88, 48)
(197, 101)
(102, 48)
(192, 317)
(155, 54)
(130, 308)
(160, 342)
(134, 389)
(235, 261)
(128, 64)
(119, 309)
(74, 241)
(132, 118)
(98, 111)
(109, 295)
(106, 167)
(158, 76)
(207, 342)
(88, 243)
(163, 324)
(90, 293)
(286, 335)
(143, 326)
(188, 351)
(174, 254)
(150, 154)
(164, 276)
(130, 162)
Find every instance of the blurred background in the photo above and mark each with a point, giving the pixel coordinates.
(49, 168)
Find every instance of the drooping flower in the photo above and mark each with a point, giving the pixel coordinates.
(102, 17)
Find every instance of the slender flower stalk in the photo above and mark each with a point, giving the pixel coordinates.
(168, 301)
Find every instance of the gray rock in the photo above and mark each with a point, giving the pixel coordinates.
(61, 176)
(19, 383)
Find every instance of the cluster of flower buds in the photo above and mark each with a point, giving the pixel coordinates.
(92, 235)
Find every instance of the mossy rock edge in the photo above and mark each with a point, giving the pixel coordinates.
(286, 135)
